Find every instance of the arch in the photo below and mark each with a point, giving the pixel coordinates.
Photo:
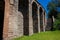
(35, 17)
(2, 7)
(24, 8)
(41, 18)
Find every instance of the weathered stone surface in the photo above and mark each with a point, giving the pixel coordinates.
(20, 24)
(15, 22)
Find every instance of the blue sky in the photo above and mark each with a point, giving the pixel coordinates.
(44, 4)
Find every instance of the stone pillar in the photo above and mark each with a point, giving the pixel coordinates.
(30, 20)
(6, 20)
(38, 20)
(10, 27)
(20, 24)
(15, 19)
(43, 22)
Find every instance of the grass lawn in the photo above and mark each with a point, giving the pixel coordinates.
(54, 35)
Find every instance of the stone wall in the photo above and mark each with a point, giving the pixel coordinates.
(19, 18)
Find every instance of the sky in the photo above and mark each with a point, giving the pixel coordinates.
(44, 4)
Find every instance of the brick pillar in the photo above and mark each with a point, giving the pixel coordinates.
(6, 20)
(30, 20)
(38, 21)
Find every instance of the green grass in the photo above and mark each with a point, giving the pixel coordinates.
(49, 35)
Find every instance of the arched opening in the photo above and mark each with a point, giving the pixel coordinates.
(41, 19)
(35, 17)
(2, 6)
(23, 7)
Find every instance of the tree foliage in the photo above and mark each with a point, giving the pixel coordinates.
(57, 22)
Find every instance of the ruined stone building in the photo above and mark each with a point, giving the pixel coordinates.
(20, 17)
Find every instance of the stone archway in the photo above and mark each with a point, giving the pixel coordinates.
(35, 17)
(2, 6)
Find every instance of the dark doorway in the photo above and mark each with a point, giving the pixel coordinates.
(2, 6)
(35, 17)
(41, 19)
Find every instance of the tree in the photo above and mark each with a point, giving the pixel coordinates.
(52, 10)
(57, 22)
(57, 2)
